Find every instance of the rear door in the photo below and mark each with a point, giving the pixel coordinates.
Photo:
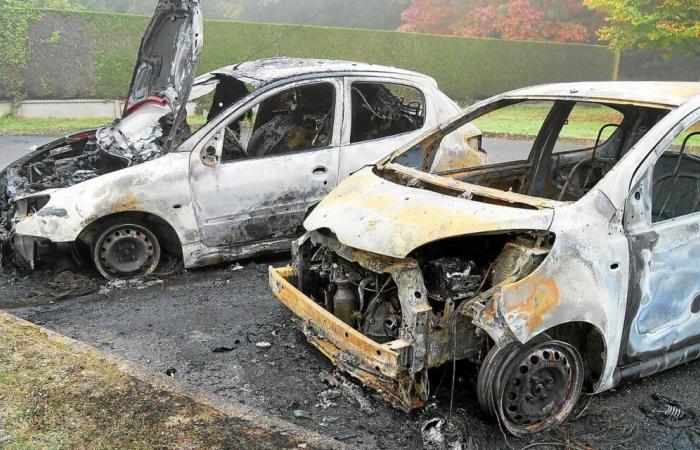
(255, 178)
(664, 232)
(382, 114)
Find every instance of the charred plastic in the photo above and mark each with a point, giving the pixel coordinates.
(456, 274)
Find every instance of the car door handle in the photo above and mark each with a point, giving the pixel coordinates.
(321, 170)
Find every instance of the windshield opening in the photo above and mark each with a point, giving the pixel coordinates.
(556, 150)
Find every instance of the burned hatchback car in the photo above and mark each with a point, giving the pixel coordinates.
(280, 133)
(570, 263)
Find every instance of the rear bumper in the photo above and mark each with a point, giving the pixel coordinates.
(383, 367)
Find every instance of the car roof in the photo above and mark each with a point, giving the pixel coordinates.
(666, 94)
(266, 71)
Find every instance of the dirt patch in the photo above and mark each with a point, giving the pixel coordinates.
(54, 396)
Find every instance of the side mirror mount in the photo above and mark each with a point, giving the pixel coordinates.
(210, 154)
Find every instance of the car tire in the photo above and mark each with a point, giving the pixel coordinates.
(126, 250)
(531, 388)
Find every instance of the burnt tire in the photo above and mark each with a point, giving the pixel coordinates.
(531, 388)
(126, 250)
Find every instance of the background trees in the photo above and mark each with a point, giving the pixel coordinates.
(666, 25)
(551, 20)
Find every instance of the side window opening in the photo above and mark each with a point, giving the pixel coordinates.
(382, 110)
(676, 183)
(294, 120)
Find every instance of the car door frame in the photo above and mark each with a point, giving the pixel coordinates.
(206, 139)
(642, 234)
(388, 143)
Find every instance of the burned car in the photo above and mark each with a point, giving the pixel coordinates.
(279, 134)
(569, 263)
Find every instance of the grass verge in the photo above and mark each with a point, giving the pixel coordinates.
(53, 395)
(19, 126)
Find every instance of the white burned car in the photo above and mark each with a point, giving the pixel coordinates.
(571, 263)
(279, 135)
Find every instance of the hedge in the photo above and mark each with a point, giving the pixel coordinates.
(91, 55)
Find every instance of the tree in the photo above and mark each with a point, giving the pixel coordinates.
(667, 25)
(550, 20)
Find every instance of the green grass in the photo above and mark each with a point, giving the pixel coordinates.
(56, 396)
(525, 120)
(18, 126)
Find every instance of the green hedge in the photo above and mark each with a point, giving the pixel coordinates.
(92, 54)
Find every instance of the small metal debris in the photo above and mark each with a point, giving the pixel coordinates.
(135, 283)
(236, 267)
(171, 372)
(350, 391)
(665, 410)
(326, 398)
(301, 414)
(439, 434)
(263, 345)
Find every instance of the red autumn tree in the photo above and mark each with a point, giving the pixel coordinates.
(550, 20)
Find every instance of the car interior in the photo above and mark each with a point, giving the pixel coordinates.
(562, 159)
(297, 119)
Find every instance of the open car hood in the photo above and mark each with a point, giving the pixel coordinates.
(370, 213)
(168, 58)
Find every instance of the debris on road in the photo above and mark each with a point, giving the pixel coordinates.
(263, 345)
(350, 391)
(171, 372)
(62, 286)
(667, 411)
(326, 398)
(301, 414)
(134, 283)
(439, 434)
(224, 349)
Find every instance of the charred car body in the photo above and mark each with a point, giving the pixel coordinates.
(571, 263)
(279, 135)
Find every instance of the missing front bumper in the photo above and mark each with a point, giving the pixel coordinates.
(383, 367)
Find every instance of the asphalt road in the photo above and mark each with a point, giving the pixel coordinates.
(14, 147)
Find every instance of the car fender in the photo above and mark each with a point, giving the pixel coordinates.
(158, 187)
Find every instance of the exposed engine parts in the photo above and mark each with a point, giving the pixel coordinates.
(363, 300)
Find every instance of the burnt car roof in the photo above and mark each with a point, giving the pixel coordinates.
(269, 70)
(648, 93)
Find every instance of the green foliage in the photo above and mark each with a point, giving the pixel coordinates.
(15, 17)
(464, 67)
(668, 25)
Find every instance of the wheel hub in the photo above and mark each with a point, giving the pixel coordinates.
(537, 385)
(126, 250)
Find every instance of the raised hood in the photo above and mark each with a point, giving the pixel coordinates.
(168, 57)
(369, 213)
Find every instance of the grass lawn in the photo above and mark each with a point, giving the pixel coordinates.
(56, 394)
(17, 126)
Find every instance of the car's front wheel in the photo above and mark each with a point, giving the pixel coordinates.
(533, 387)
(126, 250)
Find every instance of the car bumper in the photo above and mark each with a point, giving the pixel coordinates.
(382, 367)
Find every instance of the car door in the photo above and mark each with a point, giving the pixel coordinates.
(382, 114)
(256, 175)
(663, 222)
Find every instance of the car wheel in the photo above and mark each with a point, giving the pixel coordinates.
(531, 388)
(126, 250)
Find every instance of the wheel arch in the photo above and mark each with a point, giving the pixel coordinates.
(590, 342)
(164, 231)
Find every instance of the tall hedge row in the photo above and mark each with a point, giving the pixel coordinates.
(91, 55)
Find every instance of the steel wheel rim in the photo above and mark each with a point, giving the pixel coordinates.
(127, 251)
(546, 379)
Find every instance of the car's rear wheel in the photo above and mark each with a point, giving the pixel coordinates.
(126, 250)
(531, 388)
